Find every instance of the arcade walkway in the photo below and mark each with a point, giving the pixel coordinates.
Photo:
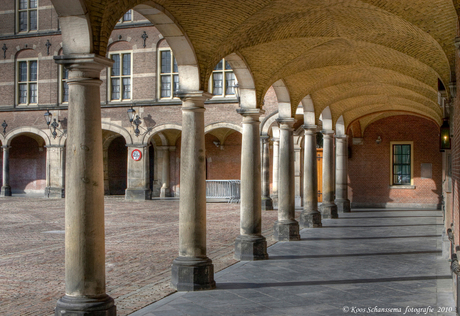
(367, 259)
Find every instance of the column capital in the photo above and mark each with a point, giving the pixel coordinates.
(264, 137)
(89, 64)
(308, 127)
(250, 112)
(329, 132)
(286, 123)
(197, 95)
(344, 137)
(137, 145)
(275, 139)
(166, 148)
(6, 147)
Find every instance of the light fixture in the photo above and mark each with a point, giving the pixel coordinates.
(217, 143)
(4, 125)
(378, 140)
(137, 121)
(444, 135)
(52, 125)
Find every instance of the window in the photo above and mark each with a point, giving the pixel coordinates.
(127, 17)
(64, 86)
(402, 162)
(169, 75)
(27, 15)
(120, 77)
(27, 73)
(223, 80)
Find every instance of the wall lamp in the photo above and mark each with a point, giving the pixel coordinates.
(4, 125)
(137, 121)
(378, 140)
(52, 125)
(217, 143)
(444, 136)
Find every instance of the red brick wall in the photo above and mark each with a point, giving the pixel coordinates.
(223, 164)
(369, 166)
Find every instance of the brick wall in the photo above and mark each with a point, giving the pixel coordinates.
(369, 166)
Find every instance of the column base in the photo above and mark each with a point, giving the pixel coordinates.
(85, 306)
(329, 210)
(250, 248)
(343, 206)
(192, 274)
(310, 219)
(54, 193)
(287, 230)
(138, 194)
(267, 204)
(6, 191)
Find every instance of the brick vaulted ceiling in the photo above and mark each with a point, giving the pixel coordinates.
(359, 57)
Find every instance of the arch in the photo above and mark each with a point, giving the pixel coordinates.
(340, 126)
(27, 130)
(75, 26)
(119, 130)
(284, 99)
(158, 129)
(2, 139)
(246, 85)
(215, 126)
(309, 117)
(189, 71)
(326, 118)
(267, 123)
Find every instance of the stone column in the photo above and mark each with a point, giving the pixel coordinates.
(341, 174)
(138, 173)
(310, 216)
(297, 176)
(328, 207)
(286, 228)
(165, 171)
(54, 171)
(192, 270)
(267, 202)
(6, 189)
(250, 244)
(275, 179)
(84, 203)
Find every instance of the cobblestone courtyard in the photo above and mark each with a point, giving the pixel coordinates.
(141, 243)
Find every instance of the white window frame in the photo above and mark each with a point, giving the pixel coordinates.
(28, 10)
(122, 19)
(170, 74)
(62, 84)
(224, 81)
(411, 143)
(121, 77)
(28, 82)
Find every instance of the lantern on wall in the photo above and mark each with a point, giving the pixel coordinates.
(444, 136)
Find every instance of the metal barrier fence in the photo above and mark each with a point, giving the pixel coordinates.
(223, 189)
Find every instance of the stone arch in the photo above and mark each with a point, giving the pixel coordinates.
(119, 130)
(308, 111)
(27, 130)
(340, 126)
(268, 122)
(2, 139)
(326, 118)
(284, 99)
(214, 126)
(189, 71)
(246, 85)
(75, 26)
(148, 136)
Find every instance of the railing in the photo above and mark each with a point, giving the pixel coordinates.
(223, 189)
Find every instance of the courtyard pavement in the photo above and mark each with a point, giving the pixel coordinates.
(367, 262)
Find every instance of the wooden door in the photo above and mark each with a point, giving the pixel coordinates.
(319, 164)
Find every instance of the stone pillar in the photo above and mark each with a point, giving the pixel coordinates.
(267, 202)
(84, 203)
(250, 244)
(328, 207)
(275, 179)
(286, 228)
(54, 171)
(297, 176)
(138, 173)
(310, 216)
(165, 171)
(6, 189)
(192, 270)
(341, 174)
